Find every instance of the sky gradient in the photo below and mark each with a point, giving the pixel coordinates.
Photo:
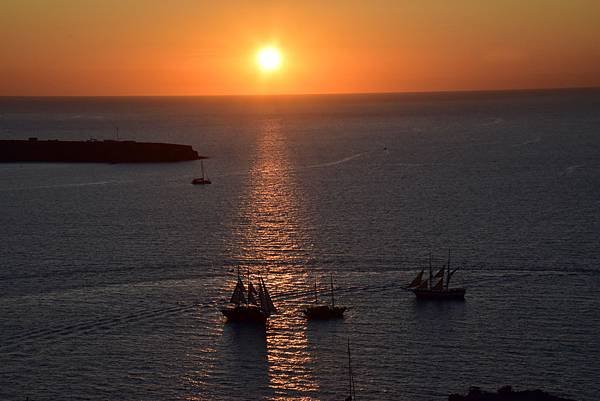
(180, 47)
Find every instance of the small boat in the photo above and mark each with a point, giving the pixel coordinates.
(323, 311)
(201, 180)
(249, 305)
(424, 290)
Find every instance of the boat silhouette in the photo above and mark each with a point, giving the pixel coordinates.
(441, 291)
(249, 305)
(201, 180)
(324, 311)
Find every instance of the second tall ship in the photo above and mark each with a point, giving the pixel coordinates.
(441, 291)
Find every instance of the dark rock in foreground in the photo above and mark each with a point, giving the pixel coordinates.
(93, 151)
(505, 394)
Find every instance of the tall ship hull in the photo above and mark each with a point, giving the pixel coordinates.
(92, 151)
(324, 312)
(457, 294)
(245, 314)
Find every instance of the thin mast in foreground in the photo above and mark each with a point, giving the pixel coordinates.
(352, 396)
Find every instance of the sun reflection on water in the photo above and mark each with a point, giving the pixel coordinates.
(274, 241)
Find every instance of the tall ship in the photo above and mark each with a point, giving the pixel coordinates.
(249, 304)
(93, 151)
(440, 291)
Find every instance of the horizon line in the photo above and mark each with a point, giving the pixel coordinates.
(443, 91)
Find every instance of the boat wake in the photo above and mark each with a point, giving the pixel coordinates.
(299, 168)
(52, 334)
(571, 169)
(74, 185)
(495, 121)
(336, 162)
(32, 338)
(533, 141)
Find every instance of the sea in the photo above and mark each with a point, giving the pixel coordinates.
(112, 275)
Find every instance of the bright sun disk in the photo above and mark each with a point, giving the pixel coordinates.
(268, 58)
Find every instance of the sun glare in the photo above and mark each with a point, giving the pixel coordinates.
(268, 59)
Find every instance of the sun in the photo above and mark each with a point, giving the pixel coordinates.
(268, 59)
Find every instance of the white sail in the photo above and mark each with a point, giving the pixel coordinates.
(238, 293)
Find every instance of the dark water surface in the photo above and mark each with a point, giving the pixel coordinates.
(111, 275)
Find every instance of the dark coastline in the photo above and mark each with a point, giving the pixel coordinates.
(506, 393)
(93, 151)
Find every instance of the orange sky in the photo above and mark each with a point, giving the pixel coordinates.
(193, 47)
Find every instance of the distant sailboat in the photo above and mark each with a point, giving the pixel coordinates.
(202, 180)
(423, 289)
(322, 311)
(249, 305)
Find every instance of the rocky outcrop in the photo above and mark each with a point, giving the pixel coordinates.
(505, 393)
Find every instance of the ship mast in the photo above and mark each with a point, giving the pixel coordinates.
(430, 272)
(352, 395)
(448, 275)
(238, 296)
(332, 298)
(248, 269)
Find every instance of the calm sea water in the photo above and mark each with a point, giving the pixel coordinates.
(111, 275)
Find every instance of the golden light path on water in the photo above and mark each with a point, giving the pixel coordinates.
(275, 243)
